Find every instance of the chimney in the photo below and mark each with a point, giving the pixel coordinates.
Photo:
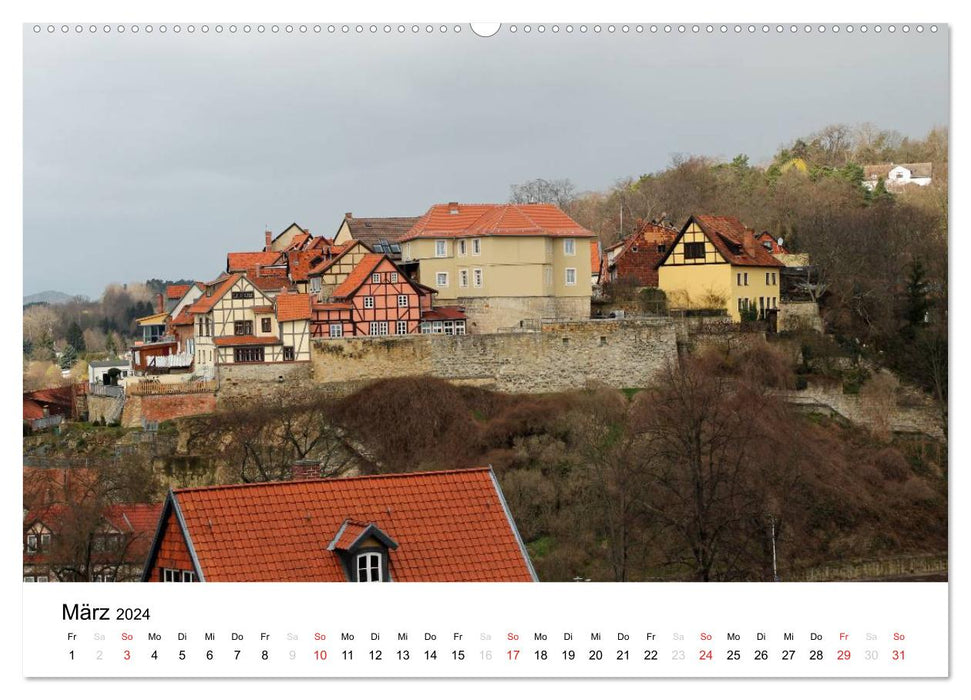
(160, 302)
(304, 469)
(349, 215)
(453, 207)
(269, 239)
(257, 269)
(749, 242)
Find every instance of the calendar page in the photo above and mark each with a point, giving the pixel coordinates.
(611, 349)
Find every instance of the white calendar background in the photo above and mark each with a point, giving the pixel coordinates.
(488, 630)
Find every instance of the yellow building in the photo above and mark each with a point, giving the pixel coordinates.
(505, 263)
(715, 262)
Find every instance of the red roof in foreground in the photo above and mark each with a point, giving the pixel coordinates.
(496, 220)
(293, 307)
(448, 525)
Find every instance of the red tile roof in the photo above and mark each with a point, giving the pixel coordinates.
(177, 291)
(293, 307)
(336, 252)
(299, 263)
(269, 283)
(205, 303)
(449, 526)
(444, 313)
(729, 236)
(595, 257)
(231, 340)
(767, 241)
(183, 319)
(495, 220)
(358, 275)
(241, 262)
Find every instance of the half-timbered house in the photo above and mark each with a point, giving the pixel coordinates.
(715, 262)
(329, 273)
(376, 298)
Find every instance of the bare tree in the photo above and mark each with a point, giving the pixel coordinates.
(540, 191)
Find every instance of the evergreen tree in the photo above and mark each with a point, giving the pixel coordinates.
(75, 337)
(69, 357)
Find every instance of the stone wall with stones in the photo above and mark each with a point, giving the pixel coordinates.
(799, 315)
(489, 314)
(248, 381)
(562, 356)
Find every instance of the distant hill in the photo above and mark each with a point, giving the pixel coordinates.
(48, 297)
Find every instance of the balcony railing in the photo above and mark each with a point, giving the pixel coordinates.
(183, 359)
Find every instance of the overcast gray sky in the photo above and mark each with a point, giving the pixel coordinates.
(152, 155)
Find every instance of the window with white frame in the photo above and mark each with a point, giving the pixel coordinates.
(314, 284)
(477, 277)
(461, 245)
(31, 544)
(394, 278)
(437, 327)
(767, 278)
(177, 576)
(336, 330)
(402, 300)
(571, 276)
(463, 277)
(375, 278)
(426, 327)
(401, 328)
(45, 541)
(441, 279)
(476, 246)
(368, 302)
(441, 249)
(379, 328)
(569, 247)
(42, 579)
(369, 567)
(28, 579)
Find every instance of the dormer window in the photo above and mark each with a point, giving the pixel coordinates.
(363, 550)
(369, 567)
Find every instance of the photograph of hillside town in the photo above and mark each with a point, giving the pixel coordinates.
(721, 368)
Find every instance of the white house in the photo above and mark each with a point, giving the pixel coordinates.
(897, 175)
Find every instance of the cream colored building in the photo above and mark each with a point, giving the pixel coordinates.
(236, 323)
(715, 262)
(505, 263)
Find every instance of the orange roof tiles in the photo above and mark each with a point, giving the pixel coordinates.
(205, 303)
(358, 275)
(293, 307)
(177, 291)
(241, 262)
(449, 526)
(183, 319)
(736, 243)
(444, 313)
(495, 220)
